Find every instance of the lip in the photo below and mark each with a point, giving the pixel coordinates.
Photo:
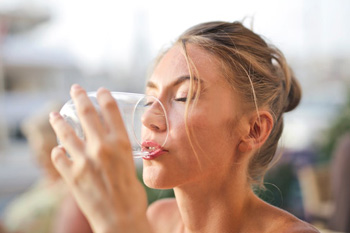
(155, 152)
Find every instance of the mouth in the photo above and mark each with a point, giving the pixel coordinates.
(153, 148)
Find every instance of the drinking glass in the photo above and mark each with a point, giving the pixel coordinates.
(133, 108)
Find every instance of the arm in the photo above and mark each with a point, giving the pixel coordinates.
(70, 219)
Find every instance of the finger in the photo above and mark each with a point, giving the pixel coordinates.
(67, 136)
(88, 116)
(111, 113)
(61, 161)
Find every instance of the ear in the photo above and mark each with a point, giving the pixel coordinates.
(260, 126)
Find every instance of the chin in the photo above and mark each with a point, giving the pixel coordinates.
(157, 179)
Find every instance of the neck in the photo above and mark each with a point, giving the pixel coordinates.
(221, 206)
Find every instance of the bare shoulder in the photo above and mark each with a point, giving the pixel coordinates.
(276, 220)
(290, 224)
(164, 215)
(299, 226)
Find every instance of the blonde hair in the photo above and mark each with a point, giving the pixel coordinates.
(257, 71)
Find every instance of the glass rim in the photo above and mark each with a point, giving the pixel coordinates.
(165, 115)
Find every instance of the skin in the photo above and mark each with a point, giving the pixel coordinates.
(70, 219)
(211, 186)
(214, 189)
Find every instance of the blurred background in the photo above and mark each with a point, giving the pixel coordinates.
(46, 46)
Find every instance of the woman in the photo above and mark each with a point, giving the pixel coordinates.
(225, 91)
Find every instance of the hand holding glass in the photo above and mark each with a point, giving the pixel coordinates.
(133, 109)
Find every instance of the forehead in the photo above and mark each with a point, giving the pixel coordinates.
(173, 65)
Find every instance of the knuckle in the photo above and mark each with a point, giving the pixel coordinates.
(82, 166)
(108, 104)
(100, 149)
(67, 133)
(55, 155)
(105, 149)
(86, 109)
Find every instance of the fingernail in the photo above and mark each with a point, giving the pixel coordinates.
(54, 115)
(102, 89)
(76, 87)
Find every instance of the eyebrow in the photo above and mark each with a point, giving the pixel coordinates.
(178, 81)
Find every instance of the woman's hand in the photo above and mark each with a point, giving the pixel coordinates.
(101, 173)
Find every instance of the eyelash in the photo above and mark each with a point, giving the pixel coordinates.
(148, 104)
(182, 99)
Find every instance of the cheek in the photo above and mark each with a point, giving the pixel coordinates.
(210, 129)
(184, 145)
(212, 136)
(178, 131)
(194, 134)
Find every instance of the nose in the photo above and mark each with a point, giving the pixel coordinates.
(154, 117)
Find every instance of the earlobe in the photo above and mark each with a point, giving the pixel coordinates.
(245, 146)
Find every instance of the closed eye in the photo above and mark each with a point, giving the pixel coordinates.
(148, 104)
(182, 99)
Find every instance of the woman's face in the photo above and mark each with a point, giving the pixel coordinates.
(213, 122)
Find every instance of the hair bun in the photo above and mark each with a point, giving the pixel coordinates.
(294, 94)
